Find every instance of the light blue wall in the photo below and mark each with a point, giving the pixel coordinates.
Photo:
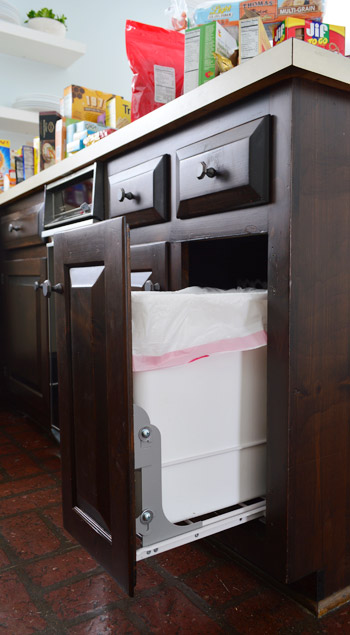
(100, 24)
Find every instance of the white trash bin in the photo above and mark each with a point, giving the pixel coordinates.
(199, 361)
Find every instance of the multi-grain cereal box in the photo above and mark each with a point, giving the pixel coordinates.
(83, 103)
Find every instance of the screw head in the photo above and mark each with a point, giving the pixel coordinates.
(145, 433)
(146, 516)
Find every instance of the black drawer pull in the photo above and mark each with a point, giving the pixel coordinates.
(203, 170)
(122, 194)
(14, 228)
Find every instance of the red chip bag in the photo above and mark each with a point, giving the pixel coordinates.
(156, 58)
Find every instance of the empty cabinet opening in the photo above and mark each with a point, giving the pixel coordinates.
(228, 263)
(200, 410)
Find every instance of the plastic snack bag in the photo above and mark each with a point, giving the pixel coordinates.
(180, 13)
(156, 58)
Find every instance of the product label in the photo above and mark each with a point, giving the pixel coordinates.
(164, 84)
(249, 39)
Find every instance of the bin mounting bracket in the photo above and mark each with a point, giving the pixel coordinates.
(151, 522)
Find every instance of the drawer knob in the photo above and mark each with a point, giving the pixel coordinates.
(47, 287)
(14, 228)
(122, 194)
(203, 170)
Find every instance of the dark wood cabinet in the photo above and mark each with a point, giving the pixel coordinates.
(273, 214)
(26, 328)
(95, 391)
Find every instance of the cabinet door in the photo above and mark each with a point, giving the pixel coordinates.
(26, 335)
(93, 331)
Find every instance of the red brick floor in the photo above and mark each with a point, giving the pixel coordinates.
(49, 584)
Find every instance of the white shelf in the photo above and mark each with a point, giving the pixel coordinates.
(15, 120)
(21, 41)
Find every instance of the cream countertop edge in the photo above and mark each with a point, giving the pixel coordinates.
(292, 57)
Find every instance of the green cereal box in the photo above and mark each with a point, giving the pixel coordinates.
(200, 44)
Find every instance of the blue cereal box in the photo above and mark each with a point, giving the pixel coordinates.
(5, 160)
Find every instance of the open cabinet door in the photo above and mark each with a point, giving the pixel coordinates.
(95, 393)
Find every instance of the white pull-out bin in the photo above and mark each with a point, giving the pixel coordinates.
(199, 360)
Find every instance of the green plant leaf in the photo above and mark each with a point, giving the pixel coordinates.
(46, 13)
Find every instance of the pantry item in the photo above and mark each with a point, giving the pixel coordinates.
(327, 36)
(36, 148)
(156, 58)
(47, 126)
(28, 161)
(200, 44)
(118, 112)
(253, 39)
(84, 103)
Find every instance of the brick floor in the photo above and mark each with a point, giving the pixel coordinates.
(50, 585)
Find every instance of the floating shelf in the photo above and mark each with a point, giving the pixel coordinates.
(15, 120)
(21, 41)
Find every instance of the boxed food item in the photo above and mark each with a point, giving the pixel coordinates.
(28, 161)
(47, 129)
(118, 112)
(271, 12)
(201, 42)
(5, 160)
(327, 36)
(84, 103)
(36, 148)
(307, 9)
(253, 39)
(19, 169)
(61, 136)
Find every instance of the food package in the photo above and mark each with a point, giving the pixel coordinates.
(253, 39)
(156, 58)
(118, 112)
(19, 169)
(28, 161)
(271, 12)
(327, 36)
(200, 44)
(47, 128)
(83, 103)
(5, 160)
(36, 148)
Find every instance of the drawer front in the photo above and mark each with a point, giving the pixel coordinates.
(141, 192)
(21, 229)
(228, 171)
(149, 267)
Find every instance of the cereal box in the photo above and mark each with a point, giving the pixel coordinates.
(5, 158)
(47, 126)
(229, 13)
(253, 39)
(200, 44)
(28, 161)
(117, 112)
(83, 103)
(327, 36)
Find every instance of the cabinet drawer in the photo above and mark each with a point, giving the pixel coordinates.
(228, 171)
(141, 192)
(149, 267)
(21, 229)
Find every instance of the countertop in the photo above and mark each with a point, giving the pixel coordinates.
(292, 58)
